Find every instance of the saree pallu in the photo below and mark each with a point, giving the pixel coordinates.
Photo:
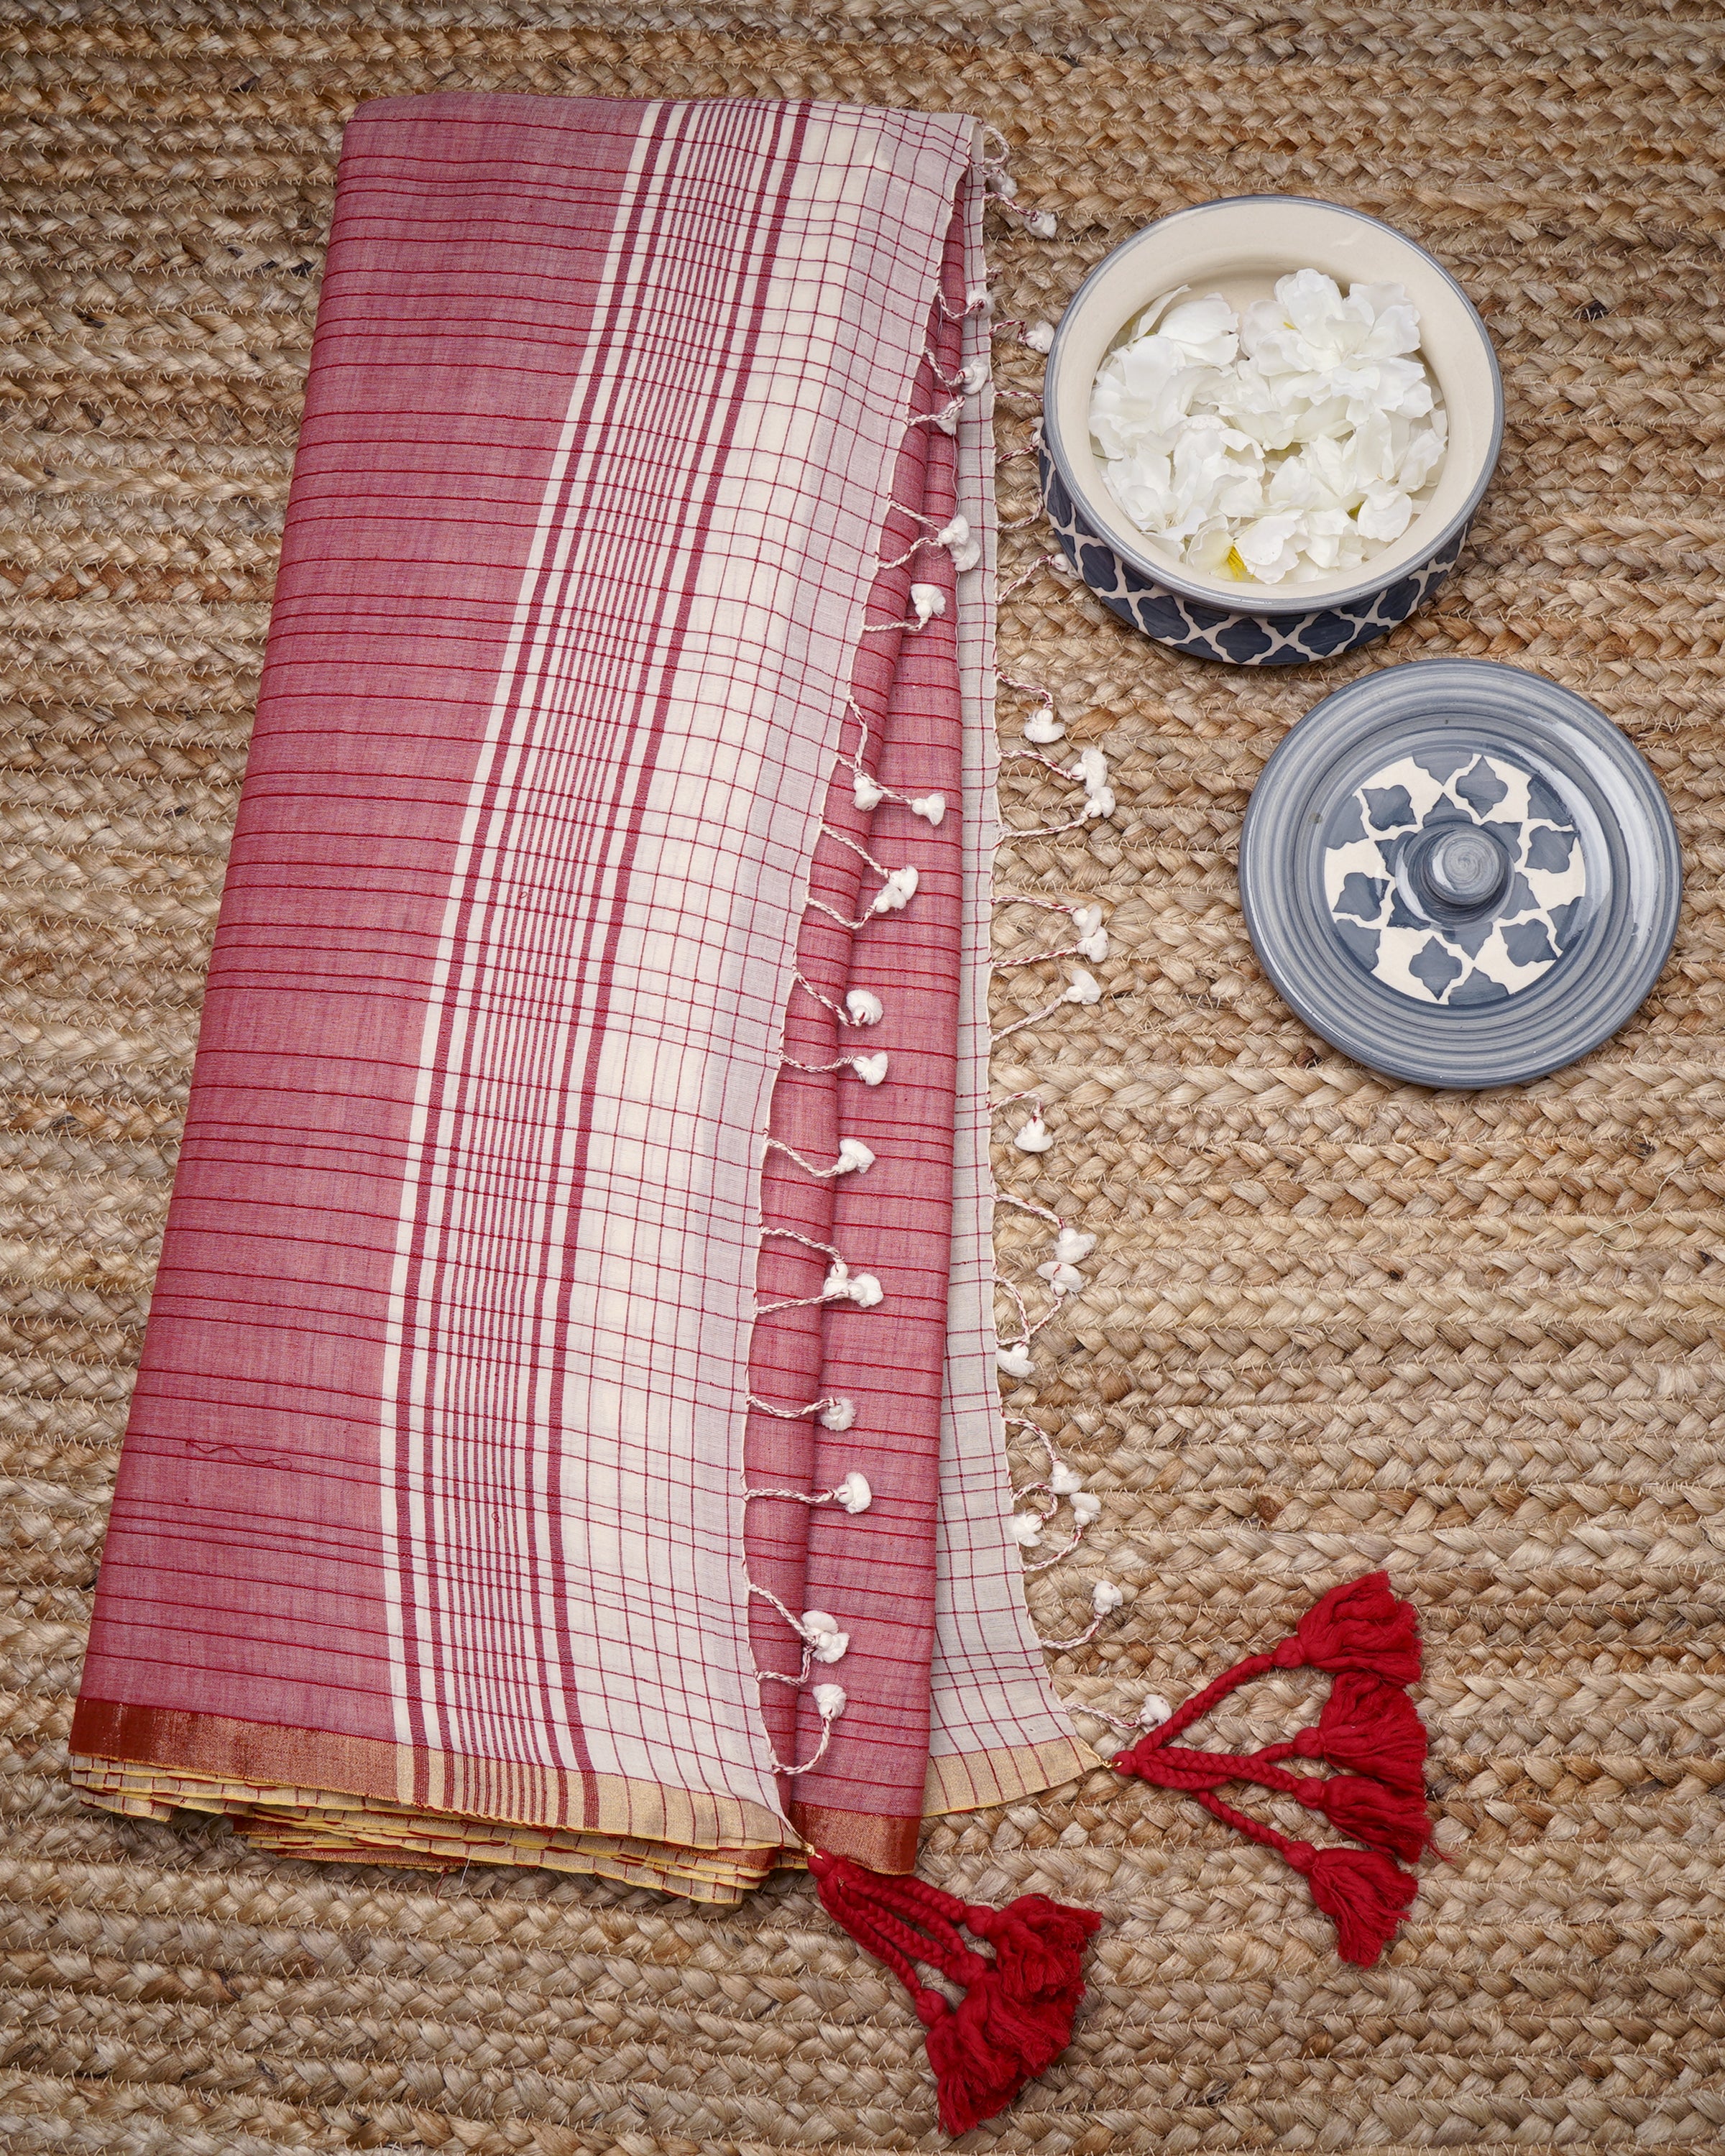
(631, 649)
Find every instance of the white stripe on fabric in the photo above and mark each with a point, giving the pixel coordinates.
(648, 1516)
(397, 1322)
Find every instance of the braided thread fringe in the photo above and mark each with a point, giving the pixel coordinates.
(1015, 2018)
(1369, 1642)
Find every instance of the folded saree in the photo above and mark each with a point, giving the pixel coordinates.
(567, 1431)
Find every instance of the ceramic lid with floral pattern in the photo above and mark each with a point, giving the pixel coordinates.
(1459, 874)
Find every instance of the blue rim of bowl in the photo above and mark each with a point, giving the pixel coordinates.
(1303, 599)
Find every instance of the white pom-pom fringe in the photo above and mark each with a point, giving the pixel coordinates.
(853, 1493)
(841, 1285)
(826, 1642)
(897, 891)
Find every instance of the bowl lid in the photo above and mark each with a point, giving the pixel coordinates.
(1459, 874)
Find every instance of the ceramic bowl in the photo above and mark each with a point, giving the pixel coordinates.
(1240, 247)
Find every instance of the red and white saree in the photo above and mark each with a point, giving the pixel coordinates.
(432, 1535)
(567, 1432)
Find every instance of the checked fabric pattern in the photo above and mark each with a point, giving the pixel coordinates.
(431, 1541)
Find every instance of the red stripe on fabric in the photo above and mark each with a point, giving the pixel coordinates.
(426, 1330)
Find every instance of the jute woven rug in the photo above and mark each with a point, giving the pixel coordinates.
(1336, 1323)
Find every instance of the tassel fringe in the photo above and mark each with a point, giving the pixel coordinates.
(1369, 1729)
(1015, 2018)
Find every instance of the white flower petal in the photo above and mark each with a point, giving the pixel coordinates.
(1205, 331)
(1385, 513)
(1243, 447)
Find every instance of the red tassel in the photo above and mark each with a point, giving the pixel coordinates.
(1370, 1641)
(1015, 2018)
(970, 2081)
(1368, 1726)
(1038, 1943)
(1360, 1626)
(1384, 1818)
(1361, 1892)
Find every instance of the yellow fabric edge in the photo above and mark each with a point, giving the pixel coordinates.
(332, 1825)
(968, 1781)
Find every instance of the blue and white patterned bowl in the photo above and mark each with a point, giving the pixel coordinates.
(1240, 247)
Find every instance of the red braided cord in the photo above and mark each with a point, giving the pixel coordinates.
(932, 1906)
(1193, 1773)
(1179, 1767)
(860, 1924)
(954, 1959)
(875, 1910)
(1201, 1702)
(940, 1914)
(1301, 1787)
(1299, 1854)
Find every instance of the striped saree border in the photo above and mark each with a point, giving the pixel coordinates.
(969, 1781)
(258, 1755)
(335, 1825)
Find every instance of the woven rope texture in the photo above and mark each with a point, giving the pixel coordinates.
(1330, 1324)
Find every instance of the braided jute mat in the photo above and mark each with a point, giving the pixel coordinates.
(1333, 1323)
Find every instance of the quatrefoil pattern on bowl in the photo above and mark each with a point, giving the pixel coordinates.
(1234, 640)
(1375, 900)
